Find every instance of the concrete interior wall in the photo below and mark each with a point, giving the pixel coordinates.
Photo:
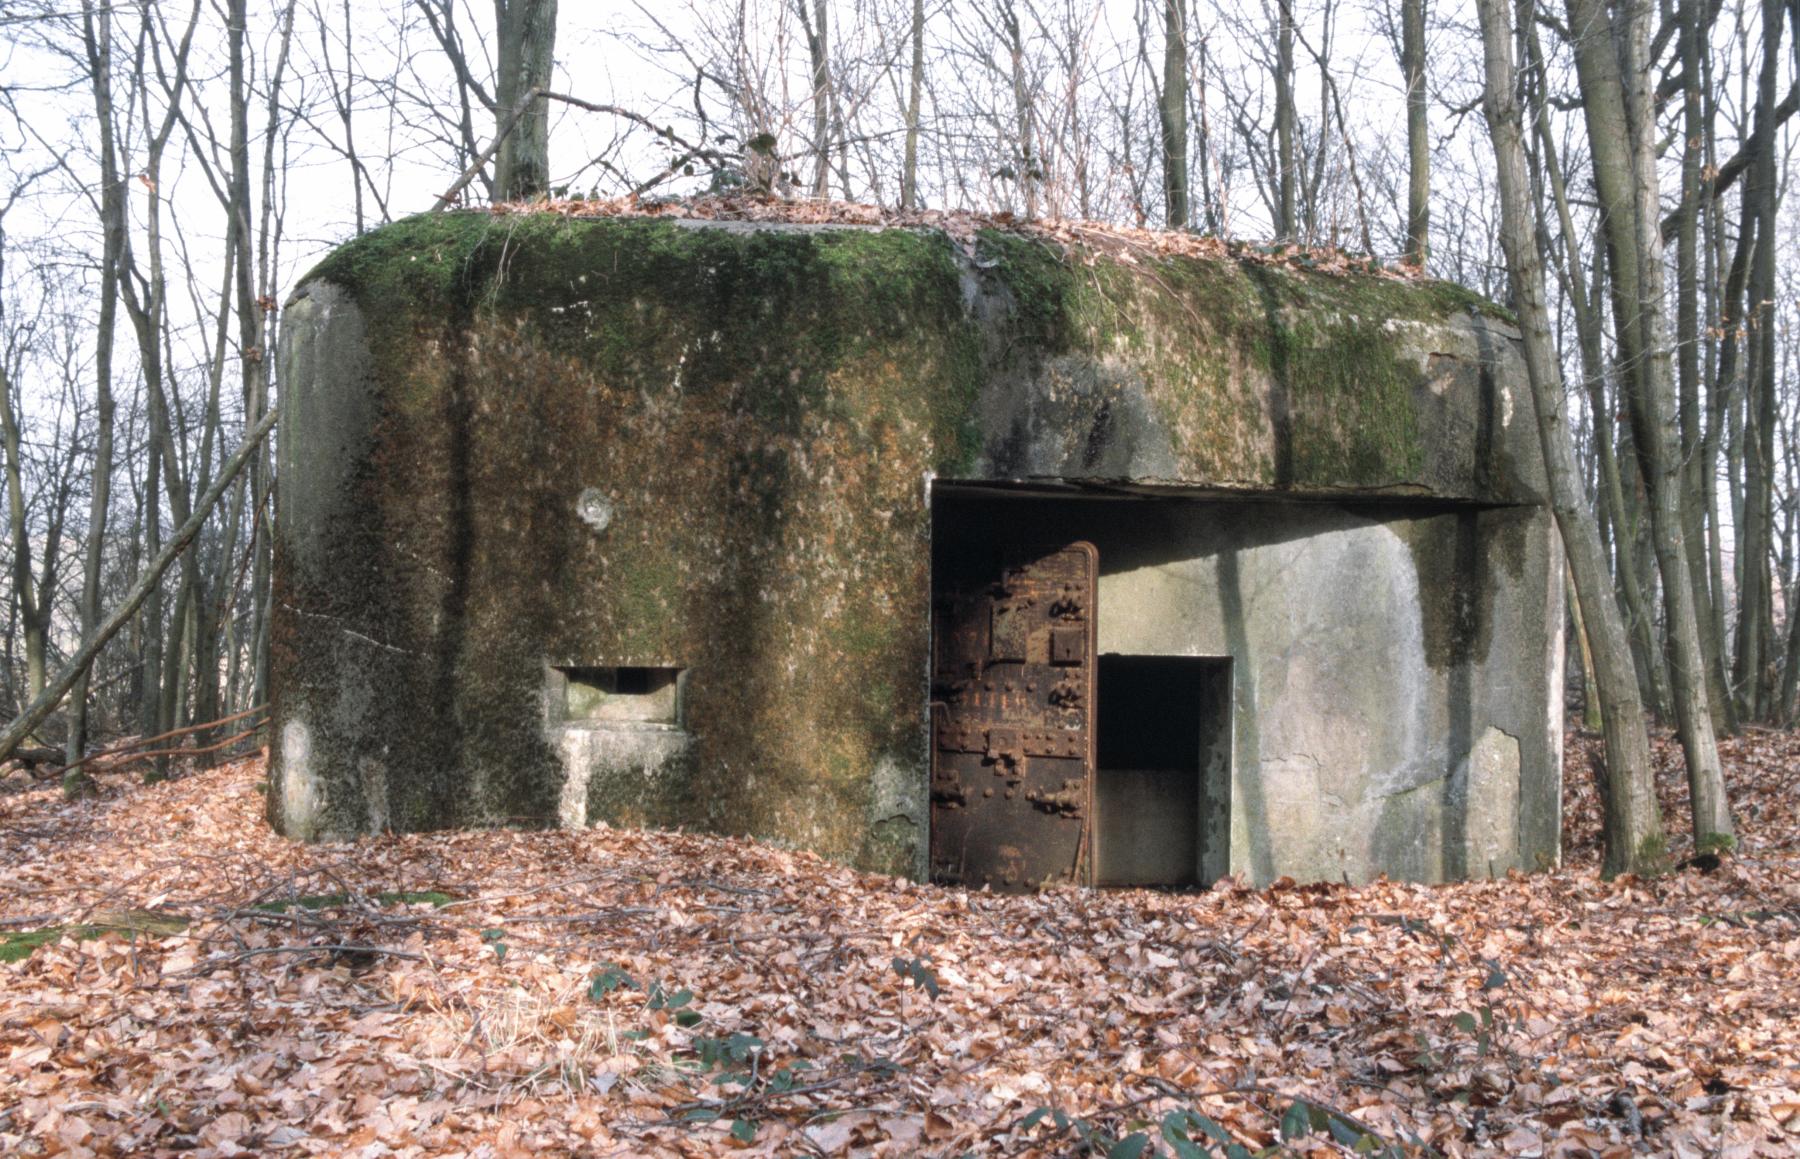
(1393, 666)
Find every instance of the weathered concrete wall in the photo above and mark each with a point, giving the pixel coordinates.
(750, 408)
(757, 412)
(1251, 378)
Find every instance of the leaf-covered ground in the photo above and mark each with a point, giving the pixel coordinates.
(211, 989)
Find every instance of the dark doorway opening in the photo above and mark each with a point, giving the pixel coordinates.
(1158, 774)
(1162, 782)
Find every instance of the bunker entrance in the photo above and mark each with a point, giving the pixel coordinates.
(1052, 762)
(1164, 756)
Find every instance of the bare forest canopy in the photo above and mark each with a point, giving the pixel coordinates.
(168, 170)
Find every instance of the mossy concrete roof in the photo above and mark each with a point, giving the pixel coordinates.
(1064, 353)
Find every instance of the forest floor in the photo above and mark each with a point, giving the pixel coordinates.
(206, 987)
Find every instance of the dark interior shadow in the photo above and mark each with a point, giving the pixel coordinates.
(973, 529)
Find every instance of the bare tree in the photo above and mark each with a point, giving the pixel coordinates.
(1418, 131)
(1286, 176)
(1172, 105)
(1633, 826)
(97, 46)
(526, 37)
(1612, 61)
(33, 589)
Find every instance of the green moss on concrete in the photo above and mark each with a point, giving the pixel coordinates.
(1351, 405)
(629, 298)
(1039, 282)
(428, 256)
(1262, 374)
(797, 323)
(711, 381)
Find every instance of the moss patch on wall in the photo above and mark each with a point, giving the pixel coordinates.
(760, 408)
(1264, 375)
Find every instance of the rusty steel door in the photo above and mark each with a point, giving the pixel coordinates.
(1012, 769)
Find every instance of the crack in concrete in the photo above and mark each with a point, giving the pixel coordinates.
(352, 633)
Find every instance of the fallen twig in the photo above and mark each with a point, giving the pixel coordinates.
(128, 746)
(212, 964)
(529, 892)
(186, 752)
(594, 916)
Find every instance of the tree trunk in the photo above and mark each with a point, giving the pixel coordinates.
(1209, 199)
(815, 24)
(1756, 624)
(527, 52)
(1589, 337)
(1633, 825)
(1286, 173)
(210, 606)
(909, 176)
(33, 595)
(1418, 139)
(150, 670)
(143, 294)
(34, 620)
(1718, 399)
(97, 40)
(1030, 166)
(1614, 75)
(204, 642)
(1695, 24)
(1723, 405)
(256, 374)
(1592, 718)
(1172, 109)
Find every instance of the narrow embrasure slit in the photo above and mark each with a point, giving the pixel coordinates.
(635, 694)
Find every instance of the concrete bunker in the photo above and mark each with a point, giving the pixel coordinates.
(729, 525)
